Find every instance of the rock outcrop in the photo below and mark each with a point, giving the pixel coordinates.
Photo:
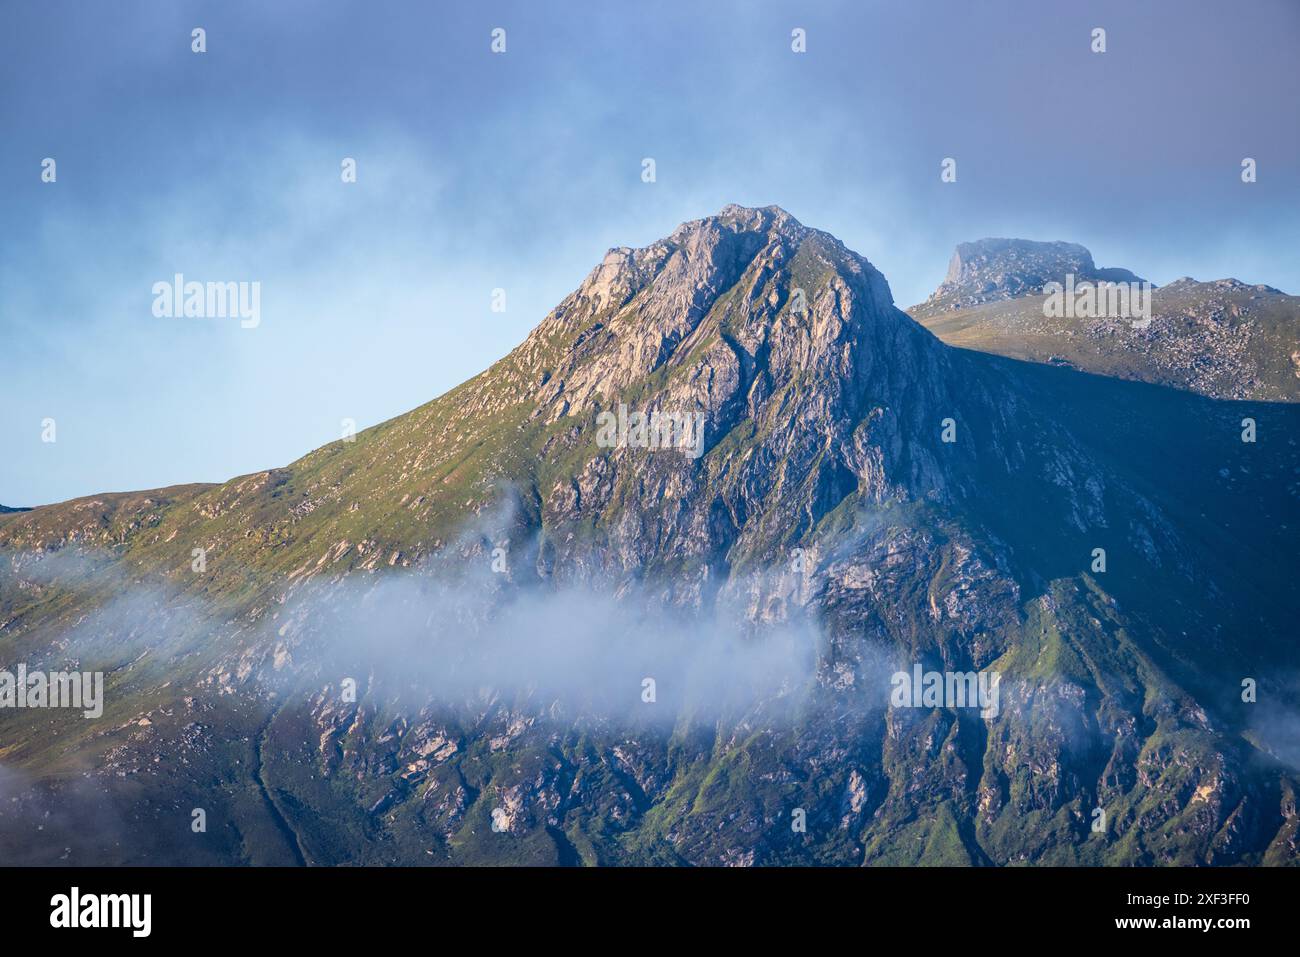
(989, 270)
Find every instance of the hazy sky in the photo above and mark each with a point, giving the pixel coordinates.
(518, 170)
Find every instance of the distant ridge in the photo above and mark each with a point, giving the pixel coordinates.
(1224, 339)
(990, 270)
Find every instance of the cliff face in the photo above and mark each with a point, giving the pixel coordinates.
(990, 270)
(852, 498)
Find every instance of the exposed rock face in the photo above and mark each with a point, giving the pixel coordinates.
(712, 314)
(989, 270)
(908, 503)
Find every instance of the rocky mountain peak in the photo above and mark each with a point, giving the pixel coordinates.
(990, 270)
(1222, 285)
(782, 341)
(742, 282)
(1222, 338)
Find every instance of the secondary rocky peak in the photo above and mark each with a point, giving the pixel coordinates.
(1230, 285)
(989, 270)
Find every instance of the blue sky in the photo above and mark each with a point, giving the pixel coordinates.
(478, 171)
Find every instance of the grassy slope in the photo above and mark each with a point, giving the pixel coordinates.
(1221, 340)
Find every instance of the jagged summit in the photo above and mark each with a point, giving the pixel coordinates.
(770, 214)
(741, 279)
(759, 228)
(989, 270)
(733, 216)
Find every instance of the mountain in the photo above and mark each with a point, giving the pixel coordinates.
(5, 508)
(991, 270)
(508, 575)
(1223, 339)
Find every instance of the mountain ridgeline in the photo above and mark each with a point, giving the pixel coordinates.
(480, 633)
(992, 270)
(1225, 339)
